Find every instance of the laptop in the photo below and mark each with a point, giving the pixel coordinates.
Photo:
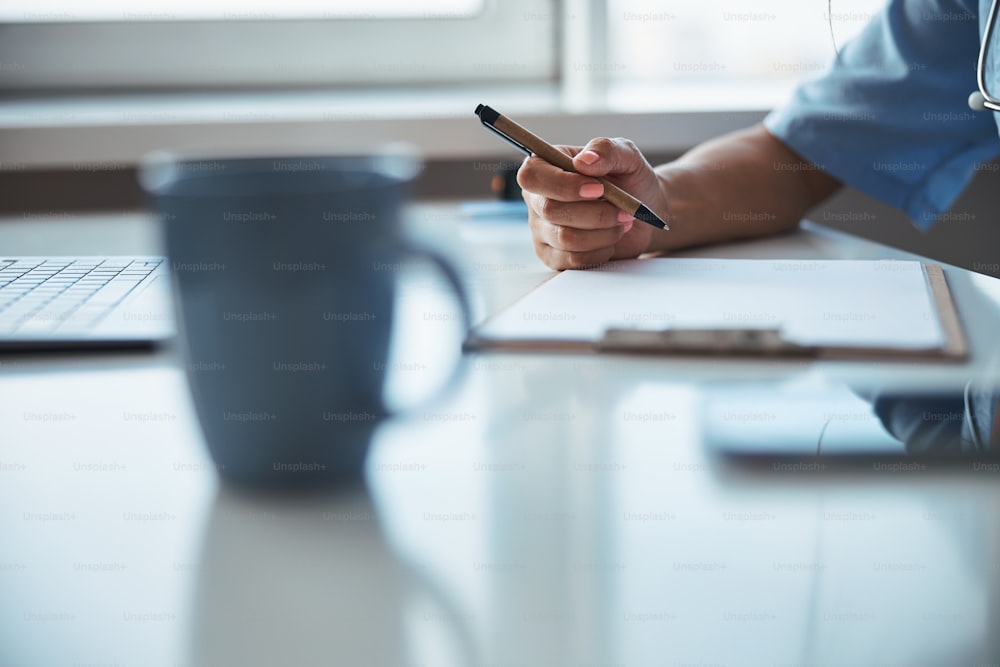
(84, 302)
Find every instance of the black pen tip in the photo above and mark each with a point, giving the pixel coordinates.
(647, 216)
(479, 109)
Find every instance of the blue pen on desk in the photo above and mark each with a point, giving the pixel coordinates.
(494, 210)
(532, 144)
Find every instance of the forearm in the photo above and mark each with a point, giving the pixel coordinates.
(738, 186)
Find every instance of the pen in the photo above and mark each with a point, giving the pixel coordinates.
(532, 144)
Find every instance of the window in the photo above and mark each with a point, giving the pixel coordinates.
(160, 44)
(727, 53)
(676, 53)
(60, 11)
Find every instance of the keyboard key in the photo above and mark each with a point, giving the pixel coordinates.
(12, 315)
(112, 293)
(36, 326)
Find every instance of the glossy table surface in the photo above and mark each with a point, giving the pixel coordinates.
(551, 510)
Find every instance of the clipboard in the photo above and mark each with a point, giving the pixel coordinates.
(908, 311)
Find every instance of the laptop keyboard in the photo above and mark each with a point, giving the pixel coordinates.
(40, 296)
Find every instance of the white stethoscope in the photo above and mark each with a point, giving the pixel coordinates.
(981, 100)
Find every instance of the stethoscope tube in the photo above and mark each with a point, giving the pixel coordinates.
(981, 100)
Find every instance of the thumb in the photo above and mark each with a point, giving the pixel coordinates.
(609, 156)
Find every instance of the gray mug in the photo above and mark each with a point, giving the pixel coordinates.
(285, 282)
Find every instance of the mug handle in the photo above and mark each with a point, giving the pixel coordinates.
(454, 281)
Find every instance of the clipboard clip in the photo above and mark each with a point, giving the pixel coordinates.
(753, 342)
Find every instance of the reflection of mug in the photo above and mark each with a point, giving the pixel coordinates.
(285, 276)
(311, 580)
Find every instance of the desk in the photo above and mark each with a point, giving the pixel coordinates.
(554, 510)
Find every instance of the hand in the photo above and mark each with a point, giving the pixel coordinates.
(571, 226)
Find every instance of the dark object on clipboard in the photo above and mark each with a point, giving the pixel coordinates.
(504, 182)
(508, 207)
(756, 342)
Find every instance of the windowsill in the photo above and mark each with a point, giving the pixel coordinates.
(70, 131)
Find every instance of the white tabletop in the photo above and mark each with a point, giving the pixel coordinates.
(553, 510)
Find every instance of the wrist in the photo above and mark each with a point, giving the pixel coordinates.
(665, 201)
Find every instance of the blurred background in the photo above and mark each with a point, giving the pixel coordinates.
(87, 89)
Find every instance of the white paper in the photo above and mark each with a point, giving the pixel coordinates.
(858, 303)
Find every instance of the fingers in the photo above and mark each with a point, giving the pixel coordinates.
(632, 244)
(561, 259)
(575, 225)
(563, 198)
(609, 156)
(541, 178)
(572, 239)
(564, 246)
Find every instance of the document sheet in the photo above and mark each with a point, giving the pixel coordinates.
(856, 303)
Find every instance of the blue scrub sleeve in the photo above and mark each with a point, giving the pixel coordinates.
(890, 116)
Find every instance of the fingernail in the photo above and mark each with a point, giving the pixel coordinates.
(591, 190)
(627, 226)
(625, 217)
(588, 157)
